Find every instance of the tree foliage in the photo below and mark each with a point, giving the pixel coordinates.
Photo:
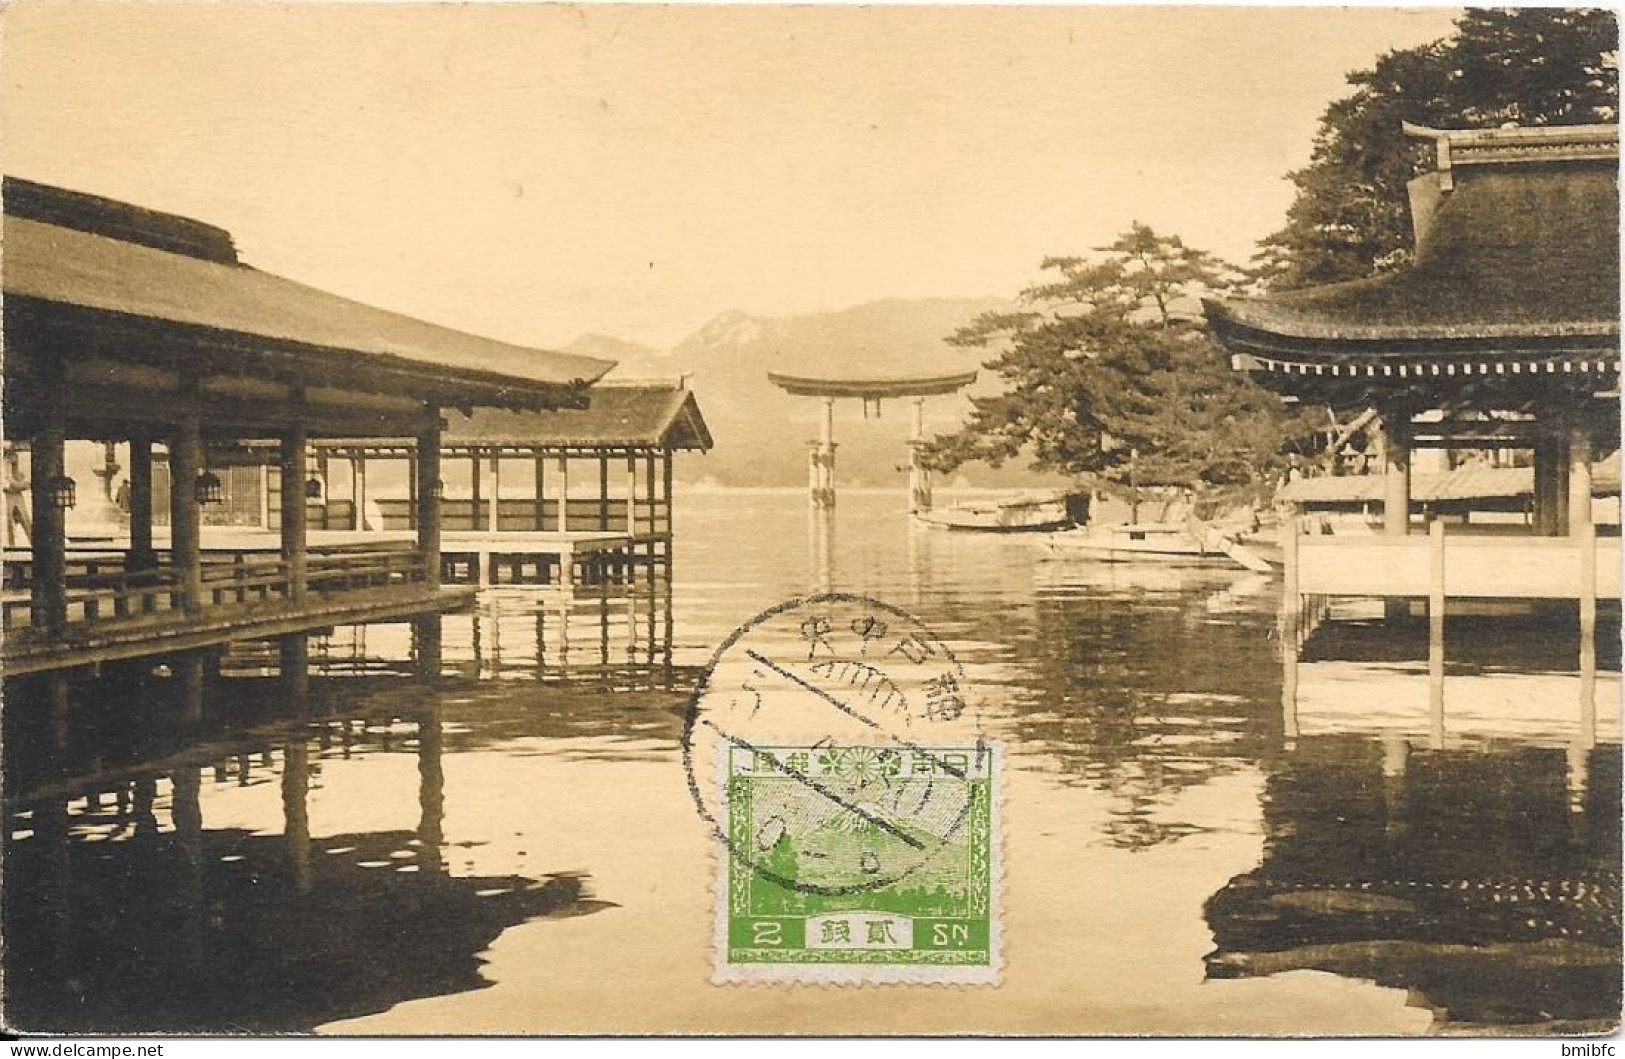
(1110, 371)
(1528, 66)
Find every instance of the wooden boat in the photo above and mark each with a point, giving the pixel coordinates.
(1026, 515)
(1189, 541)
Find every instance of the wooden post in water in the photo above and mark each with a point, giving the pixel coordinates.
(919, 478)
(1436, 606)
(824, 491)
(428, 502)
(293, 673)
(295, 808)
(1586, 541)
(431, 791)
(1396, 489)
(185, 544)
(1288, 631)
(292, 458)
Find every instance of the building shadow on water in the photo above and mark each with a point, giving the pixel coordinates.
(125, 912)
(1485, 881)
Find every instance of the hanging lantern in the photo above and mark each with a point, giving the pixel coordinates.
(62, 491)
(313, 489)
(208, 489)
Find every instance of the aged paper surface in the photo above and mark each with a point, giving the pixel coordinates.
(633, 519)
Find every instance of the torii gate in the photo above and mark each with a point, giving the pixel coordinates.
(821, 462)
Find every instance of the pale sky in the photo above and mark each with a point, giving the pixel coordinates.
(534, 172)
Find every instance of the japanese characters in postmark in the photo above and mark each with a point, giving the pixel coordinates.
(832, 747)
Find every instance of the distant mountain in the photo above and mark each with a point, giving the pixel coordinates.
(762, 433)
(633, 357)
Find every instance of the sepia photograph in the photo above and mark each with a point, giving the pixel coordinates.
(646, 520)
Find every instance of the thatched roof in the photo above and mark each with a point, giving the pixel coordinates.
(1521, 254)
(619, 415)
(78, 265)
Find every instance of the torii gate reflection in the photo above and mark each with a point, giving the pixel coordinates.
(821, 464)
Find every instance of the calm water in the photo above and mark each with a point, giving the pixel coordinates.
(513, 848)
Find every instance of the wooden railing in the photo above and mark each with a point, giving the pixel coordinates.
(1472, 567)
(97, 591)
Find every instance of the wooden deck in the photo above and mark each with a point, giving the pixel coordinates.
(113, 613)
(1451, 572)
(1474, 567)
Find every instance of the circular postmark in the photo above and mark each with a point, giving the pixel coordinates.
(828, 745)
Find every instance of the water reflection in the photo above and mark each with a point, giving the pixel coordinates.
(304, 832)
(1485, 881)
(127, 911)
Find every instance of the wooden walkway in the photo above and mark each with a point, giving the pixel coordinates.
(112, 613)
(1458, 572)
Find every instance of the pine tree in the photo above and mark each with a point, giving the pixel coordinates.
(1530, 66)
(1111, 376)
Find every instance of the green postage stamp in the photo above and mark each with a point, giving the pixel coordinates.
(860, 863)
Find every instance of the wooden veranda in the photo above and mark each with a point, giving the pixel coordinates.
(567, 496)
(130, 326)
(1502, 335)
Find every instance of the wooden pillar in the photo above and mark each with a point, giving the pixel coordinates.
(1396, 485)
(426, 646)
(428, 501)
(1290, 610)
(1551, 498)
(355, 494)
(324, 473)
(295, 808)
(1436, 607)
(292, 468)
(632, 496)
(293, 666)
(293, 673)
(186, 814)
(670, 504)
(141, 555)
(538, 479)
(476, 489)
(358, 495)
(1579, 483)
(824, 496)
(48, 535)
(494, 513)
(919, 478)
(185, 542)
(603, 492)
(431, 791)
(1586, 540)
(189, 670)
(412, 490)
(564, 495)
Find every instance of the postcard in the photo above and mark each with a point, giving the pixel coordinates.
(640, 520)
